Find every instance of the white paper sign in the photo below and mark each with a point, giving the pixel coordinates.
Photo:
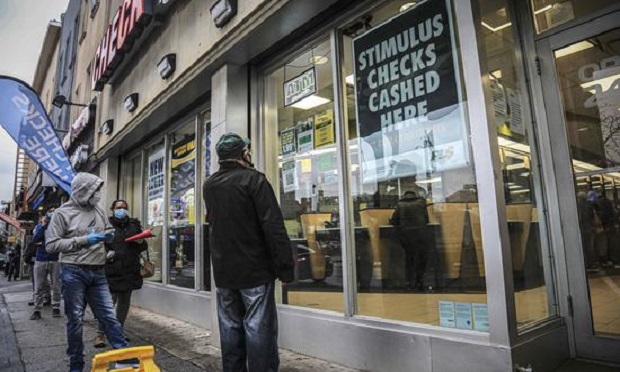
(463, 315)
(516, 111)
(446, 314)
(481, 317)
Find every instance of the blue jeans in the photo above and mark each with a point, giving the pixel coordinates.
(79, 287)
(248, 329)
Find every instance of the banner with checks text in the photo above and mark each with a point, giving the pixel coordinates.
(24, 118)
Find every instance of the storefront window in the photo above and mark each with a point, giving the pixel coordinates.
(207, 144)
(155, 190)
(549, 14)
(302, 129)
(418, 243)
(132, 186)
(534, 297)
(181, 213)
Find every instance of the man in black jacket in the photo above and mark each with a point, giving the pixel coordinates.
(250, 249)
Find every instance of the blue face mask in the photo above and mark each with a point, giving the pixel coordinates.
(48, 215)
(120, 214)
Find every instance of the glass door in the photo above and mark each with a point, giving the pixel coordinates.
(580, 71)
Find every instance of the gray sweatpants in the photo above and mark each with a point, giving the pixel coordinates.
(41, 270)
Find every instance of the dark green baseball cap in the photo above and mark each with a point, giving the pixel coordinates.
(231, 146)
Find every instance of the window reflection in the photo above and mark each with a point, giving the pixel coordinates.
(418, 243)
(534, 297)
(182, 207)
(207, 143)
(301, 92)
(155, 189)
(549, 14)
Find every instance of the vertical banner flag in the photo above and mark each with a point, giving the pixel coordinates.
(410, 113)
(24, 118)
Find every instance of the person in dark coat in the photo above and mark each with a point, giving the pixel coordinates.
(123, 265)
(250, 250)
(411, 219)
(13, 260)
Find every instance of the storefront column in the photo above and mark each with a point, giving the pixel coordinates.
(108, 172)
(229, 113)
(495, 241)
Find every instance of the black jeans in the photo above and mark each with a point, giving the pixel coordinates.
(248, 329)
(416, 244)
(122, 301)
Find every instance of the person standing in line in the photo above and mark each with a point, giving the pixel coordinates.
(46, 264)
(123, 266)
(411, 219)
(13, 259)
(78, 232)
(29, 258)
(250, 249)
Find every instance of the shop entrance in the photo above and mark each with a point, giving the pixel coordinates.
(580, 73)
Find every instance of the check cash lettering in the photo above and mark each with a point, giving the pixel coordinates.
(38, 139)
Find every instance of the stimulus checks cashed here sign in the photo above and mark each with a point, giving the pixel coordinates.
(408, 95)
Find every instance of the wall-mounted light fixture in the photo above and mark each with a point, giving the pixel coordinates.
(107, 127)
(222, 11)
(61, 100)
(167, 65)
(131, 102)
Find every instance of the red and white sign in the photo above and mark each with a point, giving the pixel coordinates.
(86, 118)
(127, 25)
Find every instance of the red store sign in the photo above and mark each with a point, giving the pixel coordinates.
(127, 25)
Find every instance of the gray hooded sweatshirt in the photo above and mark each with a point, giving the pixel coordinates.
(74, 220)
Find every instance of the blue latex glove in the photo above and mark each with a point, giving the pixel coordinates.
(95, 238)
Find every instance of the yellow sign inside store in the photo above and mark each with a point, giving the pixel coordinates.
(183, 153)
(324, 129)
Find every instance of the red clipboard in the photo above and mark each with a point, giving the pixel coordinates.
(148, 233)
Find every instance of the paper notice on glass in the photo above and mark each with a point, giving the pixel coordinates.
(463, 315)
(324, 128)
(287, 140)
(481, 317)
(500, 106)
(604, 97)
(305, 133)
(446, 314)
(289, 176)
(516, 111)
(560, 13)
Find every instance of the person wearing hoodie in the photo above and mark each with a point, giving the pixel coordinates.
(411, 220)
(78, 231)
(123, 265)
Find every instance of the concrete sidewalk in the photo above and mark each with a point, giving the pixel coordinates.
(180, 346)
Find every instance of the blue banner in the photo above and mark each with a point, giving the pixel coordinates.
(24, 118)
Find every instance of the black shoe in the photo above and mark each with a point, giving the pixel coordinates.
(36, 315)
(30, 303)
(56, 312)
(127, 340)
(47, 303)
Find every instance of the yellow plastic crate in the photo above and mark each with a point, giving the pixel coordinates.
(144, 353)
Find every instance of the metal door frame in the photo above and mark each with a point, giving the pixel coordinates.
(576, 301)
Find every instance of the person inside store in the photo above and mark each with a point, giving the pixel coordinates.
(411, 219)
(46, 266)
(78, 231)
(250, 250)
(123, 265)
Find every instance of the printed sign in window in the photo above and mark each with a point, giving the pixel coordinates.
(410, 115)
